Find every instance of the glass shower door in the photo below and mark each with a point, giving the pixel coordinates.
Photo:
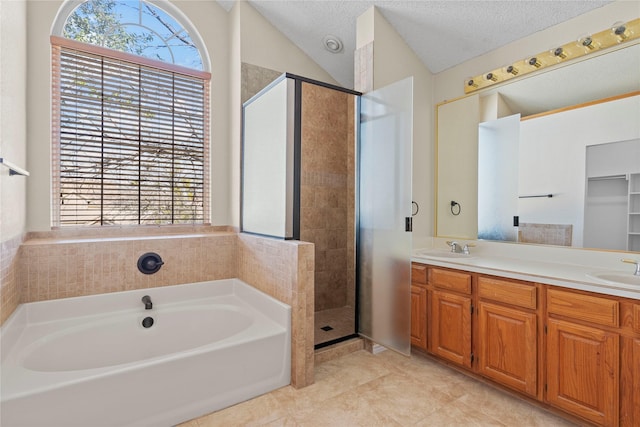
(384, 237)
(268, 162)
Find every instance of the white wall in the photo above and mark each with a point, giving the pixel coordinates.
(393, 60)
(13, 130)
(553, 158)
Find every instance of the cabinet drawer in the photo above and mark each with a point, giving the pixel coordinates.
(588, 308)
(519, 294)
(445, 279)
(419, 273)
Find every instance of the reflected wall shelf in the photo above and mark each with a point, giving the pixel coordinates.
(13, 169)
(633, 230)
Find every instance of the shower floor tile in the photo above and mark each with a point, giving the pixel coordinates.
(340, 320)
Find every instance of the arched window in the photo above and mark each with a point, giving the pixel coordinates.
(130, 114)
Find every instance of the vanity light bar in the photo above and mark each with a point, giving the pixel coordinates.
(620, 32)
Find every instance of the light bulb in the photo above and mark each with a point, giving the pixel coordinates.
(587, 42)
(620, 30)
(510, 69)
(559, 53)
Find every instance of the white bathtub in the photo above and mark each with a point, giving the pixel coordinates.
(88, 361)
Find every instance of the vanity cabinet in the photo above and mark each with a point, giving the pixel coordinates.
(450, 320)
(572, 350)
(583, 355)
(582, 371)
(507, 343)
(634, 411)
(419, 306)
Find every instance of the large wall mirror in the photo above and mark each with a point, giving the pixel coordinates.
(519, 170)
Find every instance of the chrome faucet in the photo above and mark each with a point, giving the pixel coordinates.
(465, 250)
(148, 305)
(455, 246)
(637, 264)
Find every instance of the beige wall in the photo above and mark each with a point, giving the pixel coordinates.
(449, 84)
(264, 45)
(394, 60)
(13, 68)
(211, 22)
(255, 41)
(13, 146)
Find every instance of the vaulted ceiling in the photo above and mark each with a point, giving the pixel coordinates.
(442, 33)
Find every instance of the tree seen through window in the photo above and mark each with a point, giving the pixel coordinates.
(132, 141)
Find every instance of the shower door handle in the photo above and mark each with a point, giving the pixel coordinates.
(408, 224)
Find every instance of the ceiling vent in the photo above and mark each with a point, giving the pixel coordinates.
(333, 44)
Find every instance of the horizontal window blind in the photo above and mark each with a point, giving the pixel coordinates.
(130, 142)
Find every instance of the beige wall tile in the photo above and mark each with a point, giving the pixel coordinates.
(284, 269)
(9, 276)
(328, 142)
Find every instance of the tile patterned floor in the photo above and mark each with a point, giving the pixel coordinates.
(342, 320)
(387, 389)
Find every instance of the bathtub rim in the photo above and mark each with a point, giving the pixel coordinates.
(89, 305)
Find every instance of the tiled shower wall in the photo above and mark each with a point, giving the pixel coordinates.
(66, 263)
(327, 197)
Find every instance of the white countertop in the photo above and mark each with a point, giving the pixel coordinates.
(568, 275)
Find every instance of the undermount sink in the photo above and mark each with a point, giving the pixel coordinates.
(440, 253)
(615, 278)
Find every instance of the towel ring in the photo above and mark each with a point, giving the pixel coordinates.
(453, 208)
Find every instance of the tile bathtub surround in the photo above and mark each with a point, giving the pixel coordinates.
(61, 264)
(55, 267)
(284, 269)
(387, 389)
(9, 285)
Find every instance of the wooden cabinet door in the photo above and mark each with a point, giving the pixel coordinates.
(583, 371)
(419, 316)
(451, 327)
(507, 346)
(635, 360)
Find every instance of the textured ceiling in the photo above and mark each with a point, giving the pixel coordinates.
(442, 33)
